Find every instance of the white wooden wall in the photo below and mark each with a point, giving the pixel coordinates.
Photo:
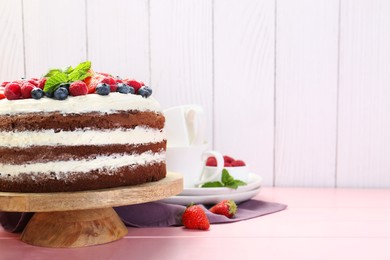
(299, 89)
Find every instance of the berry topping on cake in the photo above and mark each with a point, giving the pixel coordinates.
(12, 91)
(145, 91)
(3, 84)
(111, 82)
(103, 89)
(134, 83)
(61, 93)
(77, 81)
(78, 88)
(26, 89)
(123, 88)
(41, 83)
(37, 93)
(2, 96)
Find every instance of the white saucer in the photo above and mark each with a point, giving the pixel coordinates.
(212, 199)
(253, 183)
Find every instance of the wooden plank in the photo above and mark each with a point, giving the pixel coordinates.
(54, 34)
(118, 37)
(364, 126)
(244, 82)
(181, 54)
(11, 40)
(306, 92)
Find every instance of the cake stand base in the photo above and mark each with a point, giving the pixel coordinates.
(76, 228)
(84, 218)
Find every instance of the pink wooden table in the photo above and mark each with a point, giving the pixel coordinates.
(318, 224)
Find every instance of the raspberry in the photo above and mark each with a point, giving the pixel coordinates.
(111, 82)
(133, 83)
(237, 163)
(26, 89)
(34, 81)
(211, 161)
(78, 88)
(12, 91)
(4, 84)
(227, 164)
(41, 83)
(228, 159)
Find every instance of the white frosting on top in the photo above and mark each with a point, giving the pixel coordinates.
(83, 166)
(81, 104)
(138, 135)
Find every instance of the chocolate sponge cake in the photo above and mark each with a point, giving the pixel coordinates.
(83, 142)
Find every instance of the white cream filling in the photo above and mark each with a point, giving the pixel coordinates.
(82, 166)
(138, 135)
(81, 104)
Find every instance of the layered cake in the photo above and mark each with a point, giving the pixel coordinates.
(84, 132)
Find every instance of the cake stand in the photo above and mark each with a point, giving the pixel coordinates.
(84, 218)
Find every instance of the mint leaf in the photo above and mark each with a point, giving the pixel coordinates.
(226, 177)
(240, 183)
(51, 72)
(80, 72)
(232, 185)
(54, 81)
(212, 184)
(68, 69)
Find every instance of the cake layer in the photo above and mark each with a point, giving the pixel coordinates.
(101, 162)
(69, 122)
(138, 135)
(94, 179)
(81, 104)
(65, 153)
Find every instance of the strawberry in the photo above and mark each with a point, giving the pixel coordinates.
(104, 74)
(26, 89)
(211, 161)
(92, 82)
(2, 96)
(134, 83)
(195, 218)
(237, 163)
(12, 91)
(227, 208)
(78, 88)
(41, 83)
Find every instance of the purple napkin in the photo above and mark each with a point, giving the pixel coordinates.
(157, 214)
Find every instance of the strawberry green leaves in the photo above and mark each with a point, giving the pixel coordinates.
(227, 181)
(57, 76)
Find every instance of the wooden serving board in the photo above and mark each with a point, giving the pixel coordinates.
(76, 219)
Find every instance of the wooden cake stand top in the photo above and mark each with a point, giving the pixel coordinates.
(171, 185)
(84, 218)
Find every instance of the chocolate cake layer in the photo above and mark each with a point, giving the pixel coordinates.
(96, 179)
(64, 153)
(70, 122)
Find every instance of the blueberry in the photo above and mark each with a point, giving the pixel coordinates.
(36, 93)
(145, 91)
(48, 94)
(65, 85)
(61, 93)
(103, 89)
(123, 88)
(131, 90)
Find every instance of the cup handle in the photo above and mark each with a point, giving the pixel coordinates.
(219, 168)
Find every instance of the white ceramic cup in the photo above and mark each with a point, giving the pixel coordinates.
(190, 162)
(184, 125)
